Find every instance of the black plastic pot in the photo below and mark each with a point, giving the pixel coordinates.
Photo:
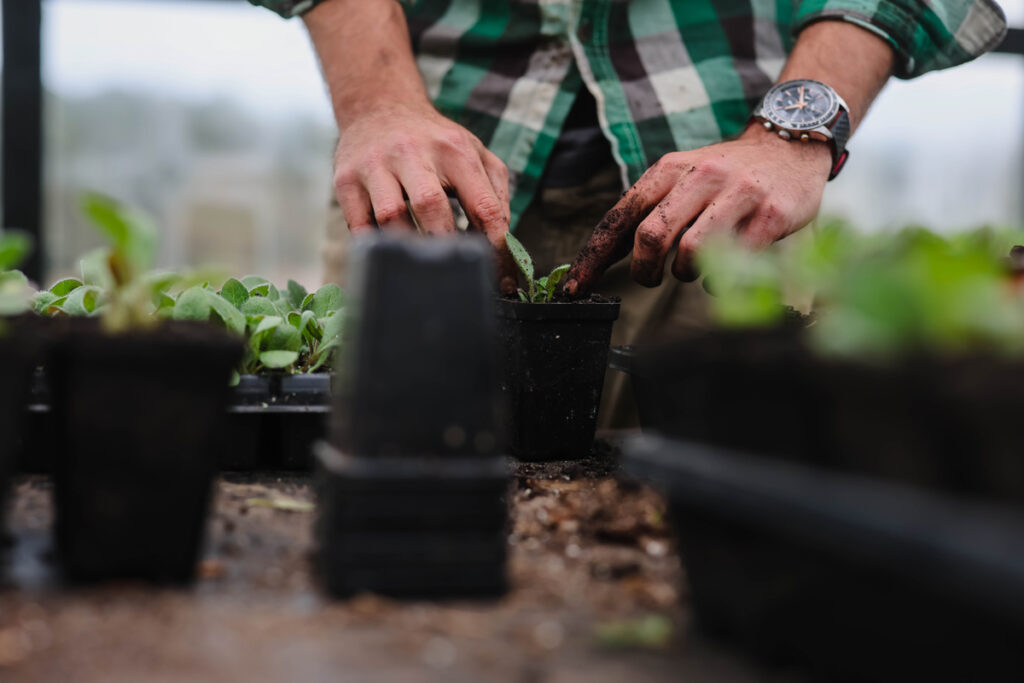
(553, 359)
(859, 580)
(136, 416)
(18, 354)
(401, 526)
(273, 421)
(751, 390)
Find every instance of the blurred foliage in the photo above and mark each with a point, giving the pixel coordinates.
(878, 295)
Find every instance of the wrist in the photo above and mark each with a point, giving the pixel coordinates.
(382, 105)
(813, 153)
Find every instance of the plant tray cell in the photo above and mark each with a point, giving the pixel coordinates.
(854, 578)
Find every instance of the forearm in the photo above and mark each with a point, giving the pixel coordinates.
(855, 62)
(366, 56)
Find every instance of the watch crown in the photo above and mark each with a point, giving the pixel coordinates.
(767, 125)
(804, 137)
(784, 134)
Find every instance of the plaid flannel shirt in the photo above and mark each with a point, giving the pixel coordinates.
(667, 75)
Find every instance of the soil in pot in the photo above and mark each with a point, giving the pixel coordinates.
(136, 416)
(552, 363)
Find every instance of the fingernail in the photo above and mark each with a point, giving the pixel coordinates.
(571, 287)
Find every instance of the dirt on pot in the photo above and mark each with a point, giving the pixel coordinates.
(592, 564)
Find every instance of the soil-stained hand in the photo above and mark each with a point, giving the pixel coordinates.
(400, 151)
(758, 186)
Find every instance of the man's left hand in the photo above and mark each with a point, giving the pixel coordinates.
(758, 186)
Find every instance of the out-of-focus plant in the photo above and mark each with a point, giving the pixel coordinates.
(15, 291)
(881, 295)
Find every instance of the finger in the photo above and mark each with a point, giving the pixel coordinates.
(497, 173)
(355, 206)
(486, 209)
(429, 201)
(612, 239)
(729, 214)
(656, 235)
(389, 208)
(767, 226)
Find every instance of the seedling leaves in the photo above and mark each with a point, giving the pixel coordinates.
(277, 360)
(327, 300)
(235, 292)
(193, 304)
(65, 286)
(296, 294)
(14, 247)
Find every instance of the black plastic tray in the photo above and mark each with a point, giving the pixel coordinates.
(855, 578)
(271, 423)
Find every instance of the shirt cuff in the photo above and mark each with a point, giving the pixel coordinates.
(925, 37)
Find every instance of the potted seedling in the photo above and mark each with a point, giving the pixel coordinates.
(136, 399)
(553, 357)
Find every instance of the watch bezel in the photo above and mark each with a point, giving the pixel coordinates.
(769, 114)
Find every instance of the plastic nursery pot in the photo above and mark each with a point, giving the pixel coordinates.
(946, 423)
(748, 389)
(411, 527)
(18, 354)
(552, 365)
(854, 578)
(136, 416)
(273, 421)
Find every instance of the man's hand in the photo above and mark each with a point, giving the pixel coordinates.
(393, 144)
(758, 186)
(400, 151)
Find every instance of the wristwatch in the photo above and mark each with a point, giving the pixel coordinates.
(808, 110)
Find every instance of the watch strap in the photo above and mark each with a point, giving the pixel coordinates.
(840, 130)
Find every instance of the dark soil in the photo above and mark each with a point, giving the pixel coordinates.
(561, 297)
(587, 549)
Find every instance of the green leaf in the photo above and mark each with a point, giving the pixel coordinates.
(235, 292)
(259, 305)
(260, 290)
(14, 247)
(96, 269)
(332, 326)
(273, 293)
(192, 304)
(328, 299)
(296, 294)
(521, 256)
(160, 282)
(65, 286)
(81, 301)
(131, 234)
(251, 281)
(277, 360)
(653, 631)
(307, 302)
(163, 302)
(266, 324)
(324, 353)
(284, 337)
(42, 300)
(554, 278)
(523, 297)
(232, 318)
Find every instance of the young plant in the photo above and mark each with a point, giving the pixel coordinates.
(15, 292)
(537, 291)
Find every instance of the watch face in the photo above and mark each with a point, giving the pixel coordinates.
(800, 105)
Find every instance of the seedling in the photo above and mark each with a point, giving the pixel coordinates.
(537, 291)
(15, 292)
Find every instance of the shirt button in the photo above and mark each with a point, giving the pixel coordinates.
(585, 30)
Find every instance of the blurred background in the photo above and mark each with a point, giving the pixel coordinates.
(212, 117)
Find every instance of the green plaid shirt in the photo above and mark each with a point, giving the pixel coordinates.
(667, 75)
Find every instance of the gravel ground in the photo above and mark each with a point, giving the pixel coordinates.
(597, 595)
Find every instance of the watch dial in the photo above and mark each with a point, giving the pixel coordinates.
(800, 105)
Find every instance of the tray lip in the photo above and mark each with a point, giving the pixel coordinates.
(335, 463)
(974, 548)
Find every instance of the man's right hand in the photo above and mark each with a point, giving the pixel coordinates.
(394, 145)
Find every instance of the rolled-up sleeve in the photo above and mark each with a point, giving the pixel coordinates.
(925, 34)
(287, 8)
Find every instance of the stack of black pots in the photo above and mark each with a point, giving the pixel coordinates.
(412, 485)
